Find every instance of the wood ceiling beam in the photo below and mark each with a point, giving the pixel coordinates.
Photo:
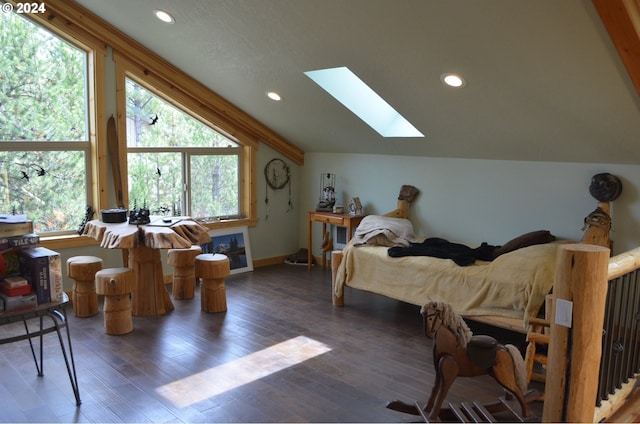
(621, 18)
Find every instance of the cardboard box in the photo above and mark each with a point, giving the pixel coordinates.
(16, 281)
(9, 264)
(10, 229)
(19, 242)
(15, 303)
(14, 291)
(42, 268)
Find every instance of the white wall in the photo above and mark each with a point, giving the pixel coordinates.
(471, 201)
(276, 235)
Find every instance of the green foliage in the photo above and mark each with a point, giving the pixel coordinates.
(42, 85)
(176, 163)
(165, 145)
(43, 106)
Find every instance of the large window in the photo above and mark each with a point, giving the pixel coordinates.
(45, 149)
(176, 164)
(187, 150)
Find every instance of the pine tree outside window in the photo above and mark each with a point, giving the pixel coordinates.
(177, 165)
(45, 115)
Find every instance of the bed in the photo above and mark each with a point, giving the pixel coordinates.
(513, 286)
(504, 292)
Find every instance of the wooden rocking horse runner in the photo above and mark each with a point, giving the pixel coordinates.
(456, 352)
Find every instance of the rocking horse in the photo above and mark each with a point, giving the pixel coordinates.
(457, 353)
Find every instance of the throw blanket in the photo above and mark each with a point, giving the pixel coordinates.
(379, 230)
(440, 248)
(513, 285)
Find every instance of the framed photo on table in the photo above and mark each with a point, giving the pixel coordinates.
(234, 243)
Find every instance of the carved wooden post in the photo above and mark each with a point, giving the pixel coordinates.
(581, 278)
(336, 259)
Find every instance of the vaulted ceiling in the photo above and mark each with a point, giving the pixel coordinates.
(544, 79)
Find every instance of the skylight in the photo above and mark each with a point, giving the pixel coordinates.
(365, 103)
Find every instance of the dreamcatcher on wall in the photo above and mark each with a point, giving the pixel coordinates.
(277, 175)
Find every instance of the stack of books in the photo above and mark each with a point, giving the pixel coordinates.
(30, 275)
(14, 229)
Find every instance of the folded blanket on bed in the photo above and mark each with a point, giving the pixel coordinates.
(376, 230)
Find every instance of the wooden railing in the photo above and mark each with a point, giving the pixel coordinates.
(593, 363)
(620, 339)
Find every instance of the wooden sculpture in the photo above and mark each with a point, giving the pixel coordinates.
(457, 353)
(605, 188)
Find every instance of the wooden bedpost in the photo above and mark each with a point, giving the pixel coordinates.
(581, 279)
(605, 188)
(406, 196)
(597, 226)
(401, 212)
(336, 259)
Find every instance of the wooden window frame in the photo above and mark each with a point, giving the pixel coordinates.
(96, 159)
(180, 97)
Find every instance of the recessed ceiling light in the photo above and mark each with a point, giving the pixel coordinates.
(164, 16)
(274, 96)
(453, 80)
(365, 103)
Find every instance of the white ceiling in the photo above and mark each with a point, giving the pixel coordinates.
(544, 81)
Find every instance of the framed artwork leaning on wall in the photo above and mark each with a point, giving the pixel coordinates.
(234, 243)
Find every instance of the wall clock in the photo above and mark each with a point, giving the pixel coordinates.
(277, 173)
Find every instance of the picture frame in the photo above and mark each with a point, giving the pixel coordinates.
(355, 207)
(234, 243)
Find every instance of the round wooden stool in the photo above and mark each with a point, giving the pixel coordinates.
(82, 269)
(184, 279)
(212, 268)
(116, 285)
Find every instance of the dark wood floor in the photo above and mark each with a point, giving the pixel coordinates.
(281, 353)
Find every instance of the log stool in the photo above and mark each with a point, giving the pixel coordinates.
(116, 285)
(211, 269)
(82, 269)
(184, 279)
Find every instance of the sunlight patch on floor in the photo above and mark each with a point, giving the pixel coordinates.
(217, 380)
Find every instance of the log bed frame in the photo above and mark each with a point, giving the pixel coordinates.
(402, 211)
(596, 233)
(583, 271)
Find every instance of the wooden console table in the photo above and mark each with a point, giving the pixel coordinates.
(57, 312)
(340, 219)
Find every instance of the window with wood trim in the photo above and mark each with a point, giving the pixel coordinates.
(179, 159)
(176, 164)
(47, 110)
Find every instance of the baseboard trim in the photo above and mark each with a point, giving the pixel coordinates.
(257, 263)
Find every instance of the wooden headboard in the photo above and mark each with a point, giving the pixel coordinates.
(406, 196)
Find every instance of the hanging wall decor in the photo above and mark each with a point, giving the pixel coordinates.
(277, 175)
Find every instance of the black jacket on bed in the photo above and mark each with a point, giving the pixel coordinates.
(440, 248)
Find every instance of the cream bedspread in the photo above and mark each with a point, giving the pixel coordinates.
(514, 285)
